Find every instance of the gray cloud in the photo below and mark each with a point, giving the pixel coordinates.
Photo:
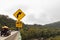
(37, 11)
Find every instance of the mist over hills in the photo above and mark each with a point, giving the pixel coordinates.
(54, 24)
(5, 20)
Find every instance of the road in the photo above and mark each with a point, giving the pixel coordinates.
(14, 36)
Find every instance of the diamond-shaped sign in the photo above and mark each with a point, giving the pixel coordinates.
(19, 14)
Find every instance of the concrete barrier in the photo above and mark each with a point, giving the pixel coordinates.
(14, 36)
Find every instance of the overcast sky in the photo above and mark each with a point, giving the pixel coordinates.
(37, 11)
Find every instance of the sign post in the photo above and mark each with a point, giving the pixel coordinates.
(19, 14)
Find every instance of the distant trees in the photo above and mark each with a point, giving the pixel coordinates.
(29, 32)
(5, 20)
(39, 32)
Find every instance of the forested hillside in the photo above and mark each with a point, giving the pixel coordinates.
(32, 32)
(5, 20)
(55, 24)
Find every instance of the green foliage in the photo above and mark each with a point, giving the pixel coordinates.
(39, 32)
(5, 20)
(55, 38)
(30, 32)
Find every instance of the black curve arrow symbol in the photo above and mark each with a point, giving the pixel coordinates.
(18, 14)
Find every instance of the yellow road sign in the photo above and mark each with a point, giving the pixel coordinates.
(19, 14)
(19, 24)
